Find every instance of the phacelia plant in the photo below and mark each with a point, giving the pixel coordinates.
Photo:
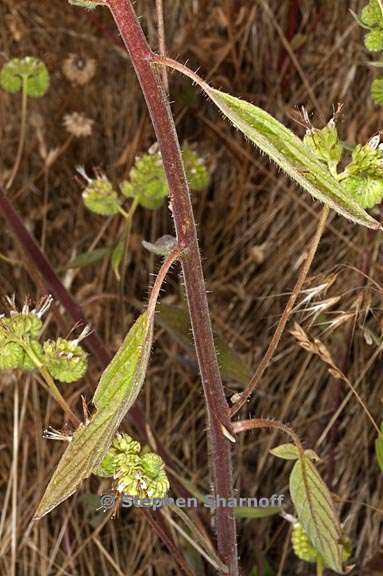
(319, 164)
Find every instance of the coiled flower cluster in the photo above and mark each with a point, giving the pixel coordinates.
(147, 184)
(305, 551)
(137, 472)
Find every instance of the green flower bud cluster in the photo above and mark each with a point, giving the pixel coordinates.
(302, 546)
(65, 359)
(305, 551)
(18, 333)
(28, 73)
(137, 472)
(366, 160)
(363, 176)
(196, 172)
(147, 183)
(20, 346)
(325, 145)
(100, 198)
(372, 18)
(147, 180)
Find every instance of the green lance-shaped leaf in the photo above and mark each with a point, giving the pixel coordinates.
(116, 392)
(118, 388)
(128, 365)
(287, 150)
(316, 513)
(89, 258)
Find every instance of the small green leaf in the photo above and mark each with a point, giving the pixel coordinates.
(266, 570)
(316, 512)
(89, 4)
(89, 258)
(162, 246)
(286, 452)
(289, 152)
(27, 71)
(256, 513)
(176, 321)
(379, 450)
(116, 392)
(117, 256)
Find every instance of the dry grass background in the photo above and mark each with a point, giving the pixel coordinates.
(254, 228)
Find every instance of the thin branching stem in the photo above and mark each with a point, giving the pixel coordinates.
(245, 425)
(264, 363)
(58, 396)
(162, 40)
(23, 128)
(44, 372)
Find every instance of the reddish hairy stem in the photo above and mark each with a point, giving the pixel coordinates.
(246, 425)
(218, 411)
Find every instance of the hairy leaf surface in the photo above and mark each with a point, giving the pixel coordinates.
(117, 390)
(290, 153)
(286, 452)
(316, 512)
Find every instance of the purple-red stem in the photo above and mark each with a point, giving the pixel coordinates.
(142, 58)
